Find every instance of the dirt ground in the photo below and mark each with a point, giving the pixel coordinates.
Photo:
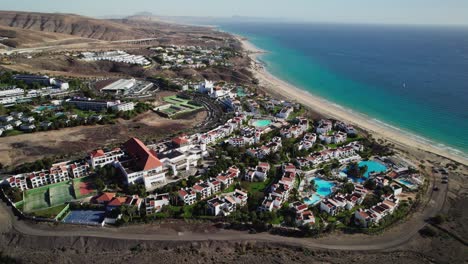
(75, 142)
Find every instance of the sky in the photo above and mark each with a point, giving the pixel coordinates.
(440, 12)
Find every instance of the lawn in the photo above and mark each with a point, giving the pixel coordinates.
(230, 188)
(256, 186)
(51, 212)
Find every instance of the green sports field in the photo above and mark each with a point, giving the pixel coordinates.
(36, 199)
(62, 193)
(178, 105)
(48, 196)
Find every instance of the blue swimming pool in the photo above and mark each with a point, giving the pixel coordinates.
(44, 107)
(262, 123)
(372, 166)
(323, 189)
(313, 199)
(407, 183)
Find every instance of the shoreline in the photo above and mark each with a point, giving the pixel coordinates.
(377, 128)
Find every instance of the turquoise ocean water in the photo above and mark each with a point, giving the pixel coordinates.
(413, 79)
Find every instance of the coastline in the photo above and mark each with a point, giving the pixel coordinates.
(377, 128)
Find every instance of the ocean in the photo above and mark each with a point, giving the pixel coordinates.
(411, 78)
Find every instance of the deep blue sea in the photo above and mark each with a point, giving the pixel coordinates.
(410, 77)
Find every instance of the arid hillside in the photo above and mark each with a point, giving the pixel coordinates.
(69, 24)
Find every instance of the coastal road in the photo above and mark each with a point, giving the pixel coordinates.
(392, 238)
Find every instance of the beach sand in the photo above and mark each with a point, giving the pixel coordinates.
(326, 108)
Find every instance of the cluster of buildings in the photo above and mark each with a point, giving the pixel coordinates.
(304, 216)
(116, 56)
(248, 136)
(328, 136)
(17, 120)
(221, 131)
(59, 172)
(373, 215)
(295, 130)
(307, 141)
(191, 57)
(226, 204)
(340, 202)
(208, 87)
(285, 112)
(50, 87)
(259, 173)
(205, 189)
(113, 201)
(273, 146)
(343, 154)
(150, 165)
(279, 192)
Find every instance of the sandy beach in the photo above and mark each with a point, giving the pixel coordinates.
(327, 108)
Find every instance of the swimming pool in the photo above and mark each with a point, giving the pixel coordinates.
(44, 107)
(372, 166)
(313, 199)
(323, 189)
(407, 183)
(240, 92)
(262, 123)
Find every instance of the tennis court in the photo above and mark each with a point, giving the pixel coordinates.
(61, 193)
(48, 196)
(178, 105)
(35, 199)
(85, 217)
(84, 187)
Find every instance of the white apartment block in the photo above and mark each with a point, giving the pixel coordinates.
(99, 158)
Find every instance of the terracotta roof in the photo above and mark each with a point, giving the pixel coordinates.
(105, 197)
(198, 187)
(301, 207)
(182, 193)
(117, 201)
(180, 141)
(97, 153)
(145, 159)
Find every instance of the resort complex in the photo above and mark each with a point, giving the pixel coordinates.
(280, 163)
(139, 140)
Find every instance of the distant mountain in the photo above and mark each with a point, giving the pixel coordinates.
(69, 24)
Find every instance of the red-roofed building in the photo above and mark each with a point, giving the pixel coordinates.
(99, 158)
(155, 202)
(116, 202)
(188, 196)
(180, 141)
(106, 197)
(144, 166)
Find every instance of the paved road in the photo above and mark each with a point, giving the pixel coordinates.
(392, 238)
